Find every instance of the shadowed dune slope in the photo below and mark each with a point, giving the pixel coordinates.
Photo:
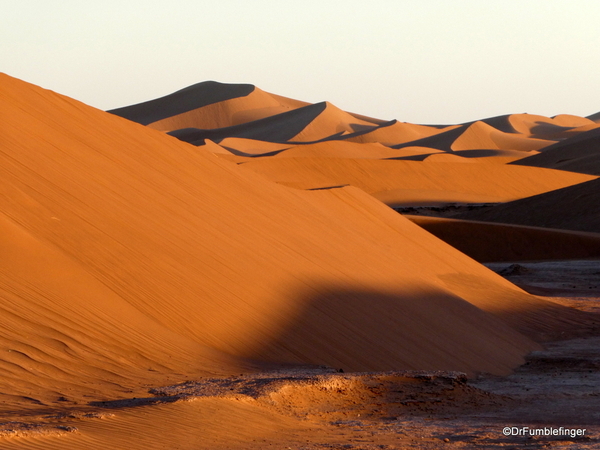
(488, 242)
(572, 208)
(580, 153)
(594, 117)
(177, 257)
(182, 101)
(401, 182)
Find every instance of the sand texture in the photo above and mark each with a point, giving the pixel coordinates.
(225, 233)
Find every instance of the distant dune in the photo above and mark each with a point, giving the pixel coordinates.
(184, 101)
(579, 153)
(572, 208)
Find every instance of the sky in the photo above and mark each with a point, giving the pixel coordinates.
(419, 61)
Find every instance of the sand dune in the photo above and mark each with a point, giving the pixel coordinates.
(555, 128)
(183, 101)
(404, 182)
(218, 111)
(156, 223)
(480, 135)
(133, 260)
(395, 133)
(254, 106)
(332, 121)
(339, 149)
(278, 128)
(488, 242)
(571, 208)
(439, 141)
(494, 156)
(594, 117)
(252, 147)
(577, 154)
(522, 132)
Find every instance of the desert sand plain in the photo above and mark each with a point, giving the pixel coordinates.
(228, 268)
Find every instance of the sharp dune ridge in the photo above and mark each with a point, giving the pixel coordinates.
(223, 229)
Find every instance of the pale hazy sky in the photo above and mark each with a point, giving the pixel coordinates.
(421, 61)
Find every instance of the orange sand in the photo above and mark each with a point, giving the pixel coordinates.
(133, 260)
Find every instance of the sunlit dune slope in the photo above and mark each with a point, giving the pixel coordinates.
(480, 135)
(410, 182)
(332, 121)
(572, 208)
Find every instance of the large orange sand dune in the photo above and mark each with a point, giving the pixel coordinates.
(132, 259)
